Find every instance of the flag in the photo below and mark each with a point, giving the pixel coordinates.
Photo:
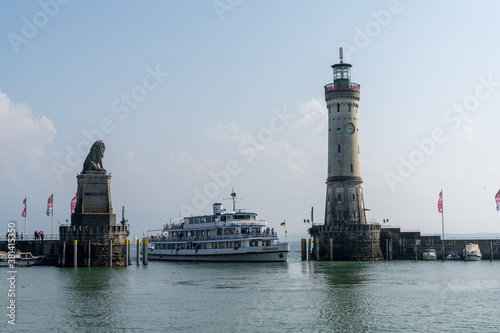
(50, 205)
(440, 202)
(497, 200)
(73, 204)
(282, 224)
(24, 211)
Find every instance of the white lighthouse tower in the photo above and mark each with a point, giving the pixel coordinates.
(345, 235)
(344, 193)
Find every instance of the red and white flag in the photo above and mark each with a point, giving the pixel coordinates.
(24, 211)
(50, 205)
(440, 202)
(73, 204)
(497, 200)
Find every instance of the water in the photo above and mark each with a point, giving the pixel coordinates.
(297, 296)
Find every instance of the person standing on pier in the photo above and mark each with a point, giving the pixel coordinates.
(36, 235)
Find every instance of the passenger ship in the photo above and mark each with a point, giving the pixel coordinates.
(235, 236)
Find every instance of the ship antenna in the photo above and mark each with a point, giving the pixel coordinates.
(233, 197)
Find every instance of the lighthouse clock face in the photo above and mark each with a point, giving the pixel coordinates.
(349, 128)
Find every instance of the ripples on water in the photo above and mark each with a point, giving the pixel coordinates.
(297, 296)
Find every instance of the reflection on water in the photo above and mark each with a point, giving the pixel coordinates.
(346, 304)
(93, 297)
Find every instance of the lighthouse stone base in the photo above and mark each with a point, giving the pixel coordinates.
(350, 242)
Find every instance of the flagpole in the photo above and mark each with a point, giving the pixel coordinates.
(26, 217)
(442, 221)
(52, 215)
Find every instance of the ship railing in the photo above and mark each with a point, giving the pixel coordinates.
(173, 226)
(213, 237)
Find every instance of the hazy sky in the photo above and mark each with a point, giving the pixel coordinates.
(193, 98)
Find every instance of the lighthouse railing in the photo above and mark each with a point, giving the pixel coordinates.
(342, 86)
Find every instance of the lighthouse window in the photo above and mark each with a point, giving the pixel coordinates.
(351, 168)
(338, 107)
(349, 107)
(340, 197)
(353, 196)
(339, 148)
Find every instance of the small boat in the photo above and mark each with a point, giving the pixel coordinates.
(20, 259)
(453, 256)
(472, 252)
(235, 236)
(429, 254)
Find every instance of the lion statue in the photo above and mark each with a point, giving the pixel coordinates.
(93, 162)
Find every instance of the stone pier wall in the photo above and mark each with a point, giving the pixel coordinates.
(92, 245)
(350, 242)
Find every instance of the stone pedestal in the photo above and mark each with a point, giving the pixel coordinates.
(93, 203)
(93, 226)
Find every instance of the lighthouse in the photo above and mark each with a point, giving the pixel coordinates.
(344, 192)
(345, 234)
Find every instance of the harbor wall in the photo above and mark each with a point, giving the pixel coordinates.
(397, 244)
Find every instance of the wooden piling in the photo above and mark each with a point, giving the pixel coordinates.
(110, 252)
(88, 254)
(331, 249)
(63, 259)
(309, 249)
(138, 252)
(126, 252)
(145, 251)
(75, 253)
(303, 249)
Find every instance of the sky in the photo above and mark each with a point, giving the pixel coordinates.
(193, 98)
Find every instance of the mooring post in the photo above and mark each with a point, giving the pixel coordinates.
(88, 254)
(126, 252)
(63, 259)
(491, 250)
(111, 252)
(390, 249)
(138, 252)
(309, 249)
(129, 246)
(145, 251)
(75, 257)
(386, 249)
(303, 249)
(415, 250)
(372, 245)
(331, 249)
(316, 255)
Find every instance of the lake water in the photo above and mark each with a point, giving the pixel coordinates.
(296, 296)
